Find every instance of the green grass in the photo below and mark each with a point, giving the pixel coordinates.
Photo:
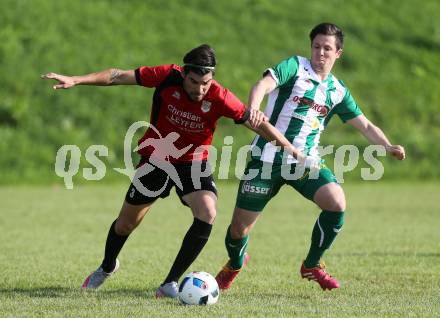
(387, 257)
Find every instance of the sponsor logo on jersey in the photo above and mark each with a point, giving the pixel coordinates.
(302, 101)
(185, 120)
(206, 106)
(248, 188)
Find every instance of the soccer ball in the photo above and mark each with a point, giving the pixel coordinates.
(198, 288)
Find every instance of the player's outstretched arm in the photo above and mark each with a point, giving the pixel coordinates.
(112, 76)
(376, 136)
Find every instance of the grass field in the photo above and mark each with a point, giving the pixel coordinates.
(387, 258)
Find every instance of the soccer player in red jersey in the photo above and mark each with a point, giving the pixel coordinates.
(187, 103)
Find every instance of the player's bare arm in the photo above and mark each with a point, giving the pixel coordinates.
(112, 76)
(376, 136)
(258, 91)
(270, 133)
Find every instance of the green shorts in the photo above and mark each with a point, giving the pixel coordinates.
(266, 179)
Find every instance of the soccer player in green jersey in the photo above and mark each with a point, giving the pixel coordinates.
(303, 96)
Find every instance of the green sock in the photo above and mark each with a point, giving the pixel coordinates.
(236, 249)
(324, 232)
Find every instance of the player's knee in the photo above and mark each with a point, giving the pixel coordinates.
(207, 215)
(124, 228)
(331, 199)
(338, 205)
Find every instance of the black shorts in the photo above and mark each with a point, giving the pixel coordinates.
(158, 183)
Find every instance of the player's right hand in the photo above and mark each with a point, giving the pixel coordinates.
(64, 82)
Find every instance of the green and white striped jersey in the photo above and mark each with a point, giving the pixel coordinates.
(300, 107)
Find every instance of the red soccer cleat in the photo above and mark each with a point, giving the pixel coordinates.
(319, 275)
(227, 275)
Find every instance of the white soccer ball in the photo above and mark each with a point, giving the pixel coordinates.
(199, 288)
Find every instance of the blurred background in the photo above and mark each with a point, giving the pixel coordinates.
(391, 64)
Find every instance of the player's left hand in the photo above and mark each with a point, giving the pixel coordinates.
(256, 117)
(397, 151)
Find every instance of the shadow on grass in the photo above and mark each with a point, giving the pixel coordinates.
(63, 292)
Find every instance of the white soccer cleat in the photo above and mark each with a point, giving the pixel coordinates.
(98, 277)
(169, 290)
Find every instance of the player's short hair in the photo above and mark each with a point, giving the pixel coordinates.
(200, 60)
(328, 29)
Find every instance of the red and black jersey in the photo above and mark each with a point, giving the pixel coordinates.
(174, 111)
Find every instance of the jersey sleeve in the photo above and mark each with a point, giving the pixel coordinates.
(234, 108)
(347, 109)
(152, 76)
(284, 71)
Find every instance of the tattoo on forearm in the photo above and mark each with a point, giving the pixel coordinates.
(114, 74)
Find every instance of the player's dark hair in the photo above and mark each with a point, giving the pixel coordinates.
(328, 29)
(200, 60)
